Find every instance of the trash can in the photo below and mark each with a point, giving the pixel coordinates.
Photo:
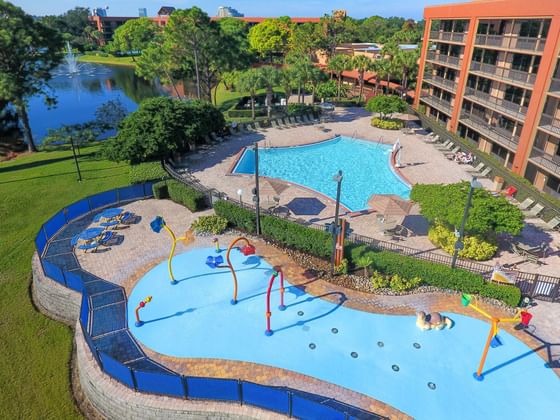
(498, 183)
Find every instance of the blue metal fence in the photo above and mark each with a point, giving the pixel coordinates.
(103, 323)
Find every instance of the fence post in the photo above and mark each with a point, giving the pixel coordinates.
(240, 391)
(185, 387)
(118, 195)
(134, 383)
(535, 283)
(290, 404)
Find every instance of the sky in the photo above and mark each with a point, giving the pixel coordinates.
(296, 8)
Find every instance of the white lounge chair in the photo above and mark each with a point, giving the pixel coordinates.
(534, 211)
(478, 168)
(526, 204)
(552, 224)
(485, 172)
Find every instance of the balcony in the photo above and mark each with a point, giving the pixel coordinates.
(496, 134)
(438, 81)
(549, 162)
(437, 103)
(511, 42)
(555, 86)
(448, 36)
(550, 124)
(505, 107)
(447, 60)
(503, 74)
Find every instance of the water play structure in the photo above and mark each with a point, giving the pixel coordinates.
(142, 303)
(433, 321)
(157, 224)
(493, 339)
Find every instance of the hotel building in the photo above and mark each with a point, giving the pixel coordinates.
(489, 71)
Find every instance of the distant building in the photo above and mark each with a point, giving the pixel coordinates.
(99, 11)
(226, 11)
(165, 11)
(142, 12)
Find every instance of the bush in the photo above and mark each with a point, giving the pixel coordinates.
(244, 113)
(290, 234)
(386, 105)
(209, 224)
(379, 281)
(299, 109)
(187, 196)
(388, 124)
(400, 284)
(437, 275)
(342, 268)
(148, 171)
(160, 190)
(476, 247)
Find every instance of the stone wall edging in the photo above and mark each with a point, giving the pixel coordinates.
(57, 301)
(114, 400)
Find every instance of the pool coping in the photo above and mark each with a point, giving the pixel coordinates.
(347, 212)
(315, 286)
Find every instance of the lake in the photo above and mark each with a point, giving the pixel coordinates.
(79, 96)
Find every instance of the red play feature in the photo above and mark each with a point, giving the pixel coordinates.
(526, 318)
(248, 250)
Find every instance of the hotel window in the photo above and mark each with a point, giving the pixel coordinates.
(490, 57)
(530, 28)
(521, 62)
(515, 95)
(447, 26)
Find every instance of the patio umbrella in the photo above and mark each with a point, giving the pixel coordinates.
(390, 204)
(270, 187)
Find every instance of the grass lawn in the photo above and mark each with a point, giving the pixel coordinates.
(34, 350)
(92, 58)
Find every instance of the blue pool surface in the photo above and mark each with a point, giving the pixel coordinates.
(195, 319)
(365, 166)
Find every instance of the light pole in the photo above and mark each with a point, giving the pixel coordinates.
(459, 243)
(256, 195)
(75, 159)
(338, 179)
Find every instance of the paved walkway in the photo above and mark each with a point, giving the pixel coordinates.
(422, 163)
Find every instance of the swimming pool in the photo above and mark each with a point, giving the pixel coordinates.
(368, 353)
(365, 166)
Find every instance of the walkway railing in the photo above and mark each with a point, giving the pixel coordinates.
(103, 321)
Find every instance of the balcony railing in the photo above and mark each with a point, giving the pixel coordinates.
(518, 76)
(549, 162)
(450, 85)
(448, 36)
(555, 85)
(448, 60)
(550, 123)
(505, 107)
(437, 103)
(511, 42)
(497, 134)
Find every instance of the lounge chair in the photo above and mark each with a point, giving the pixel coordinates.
(552, 224)
(446, 144)
(260, 125)
(534, 211)
(74, 240)
(274, 124)
(216, 139)
(126, 217)
(110, 224)
(105, 238)
(530, 254)
(526, 204)
(478, 168)
(485, 172)
(451, 154)
(91, 246)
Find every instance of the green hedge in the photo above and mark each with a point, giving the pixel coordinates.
(148, 171)
(388, 124)
(160, 190)
(187, 196)
(246, 113)
(293, 235)
(437, 275)
(299, 109)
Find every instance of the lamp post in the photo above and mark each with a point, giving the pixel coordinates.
(459, 243)
(338, 179)
(256, 195)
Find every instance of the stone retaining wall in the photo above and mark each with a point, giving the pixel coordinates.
(115, 401)
(56, 300)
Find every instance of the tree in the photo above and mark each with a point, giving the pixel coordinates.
(250, 81)
(335, 30)
(237, 31)
(286, 80)
(327, 90)
(271, 36)
(338, 64)
(28, 52)
(74, 26)
(386, 105)
(383, 69)
(409, 33)
(361, 64)
(305, 39)
(270, 77)
(161, 126)
(364, 262)
(135, 35)
(445, 204)
(379, 29)
(407, 61)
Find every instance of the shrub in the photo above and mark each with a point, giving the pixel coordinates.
(187, 196)
(389, 124)
(510, 295)
(244, 113)
(379, 281)
(299, 109)
(476, 247)
(160, 190)
(148, 171)
(401, 284)
(386, 105)
(293, 235)
(209, 224)
(342, 268)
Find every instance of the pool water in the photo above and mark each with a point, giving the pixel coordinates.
(385, 357)
(364, 164)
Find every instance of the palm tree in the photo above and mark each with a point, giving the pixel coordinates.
(361, 64)
(316, 76)
(383, 70)
(338, 64)
(269, 78)
(302, 67)
(364, 262)
(250, 81)
(408, 62)
(286, 77)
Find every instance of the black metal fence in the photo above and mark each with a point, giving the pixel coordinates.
(534, 285)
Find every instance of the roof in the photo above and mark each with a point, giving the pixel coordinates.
(261, 19)
(166, 10)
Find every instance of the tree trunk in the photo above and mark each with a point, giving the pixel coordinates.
(253, 106)
(338, 89)
(299, 94)
(197, 73)
(216, 94)
(21, 110)
(269, 94)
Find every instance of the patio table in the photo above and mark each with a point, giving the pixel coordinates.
(90, 234)
(111, 213)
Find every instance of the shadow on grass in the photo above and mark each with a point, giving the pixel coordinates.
(84, 178)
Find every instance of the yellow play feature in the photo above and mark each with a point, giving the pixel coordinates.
(493, 340)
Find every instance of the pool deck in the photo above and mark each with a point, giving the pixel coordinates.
(140, 249)
(422, 163)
